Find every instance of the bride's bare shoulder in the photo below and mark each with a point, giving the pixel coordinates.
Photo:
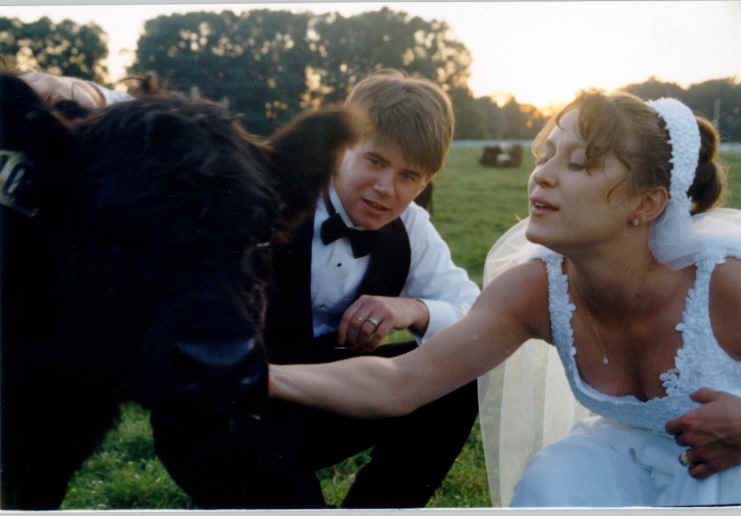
(725, 305)
(522, 291)
(726, 279)
(531, 273)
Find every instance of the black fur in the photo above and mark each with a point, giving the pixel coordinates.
(142, 276)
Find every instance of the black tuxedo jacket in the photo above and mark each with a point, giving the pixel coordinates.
(289, 335)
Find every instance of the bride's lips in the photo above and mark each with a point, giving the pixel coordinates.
(541, 207)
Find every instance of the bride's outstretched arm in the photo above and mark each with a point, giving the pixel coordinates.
(512, 309)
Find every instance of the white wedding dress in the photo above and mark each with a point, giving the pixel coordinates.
(623, 457)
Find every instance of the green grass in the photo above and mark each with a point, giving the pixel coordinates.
(732, 163)
(472, 207)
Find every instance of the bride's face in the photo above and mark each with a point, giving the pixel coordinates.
(572, 207)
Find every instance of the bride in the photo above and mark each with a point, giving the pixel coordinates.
(628, 269)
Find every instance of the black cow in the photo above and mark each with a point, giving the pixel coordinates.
(508, 156)
(135, 256)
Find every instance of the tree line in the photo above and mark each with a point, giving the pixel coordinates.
(268, 65)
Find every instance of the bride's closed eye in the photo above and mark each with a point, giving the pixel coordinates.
(577, 159)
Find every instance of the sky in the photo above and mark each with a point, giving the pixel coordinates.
(540, 52)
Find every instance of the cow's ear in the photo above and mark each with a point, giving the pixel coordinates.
(306, 152)
(32, 140)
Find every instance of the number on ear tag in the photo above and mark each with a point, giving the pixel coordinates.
(15, 183)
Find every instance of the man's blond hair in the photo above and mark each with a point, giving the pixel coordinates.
(411, 113)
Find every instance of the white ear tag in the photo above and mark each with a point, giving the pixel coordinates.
(14, 183)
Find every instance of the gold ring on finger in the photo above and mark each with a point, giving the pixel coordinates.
(684, 459)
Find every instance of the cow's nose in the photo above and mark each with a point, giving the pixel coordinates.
(219, 369)
(218, 355)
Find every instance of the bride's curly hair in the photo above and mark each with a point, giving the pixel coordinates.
(624, 125)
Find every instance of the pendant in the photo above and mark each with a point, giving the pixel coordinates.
(604, 359)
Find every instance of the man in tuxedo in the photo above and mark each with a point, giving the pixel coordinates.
(368, 262)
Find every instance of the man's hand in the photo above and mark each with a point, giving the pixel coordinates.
(368, 320)
(712, 432)
(53, 89)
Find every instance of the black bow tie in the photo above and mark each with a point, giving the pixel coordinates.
(362, 242)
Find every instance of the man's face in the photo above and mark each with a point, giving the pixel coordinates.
(375, 183)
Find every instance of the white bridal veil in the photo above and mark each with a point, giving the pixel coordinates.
(524, 403)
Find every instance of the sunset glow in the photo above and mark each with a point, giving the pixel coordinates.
(540, 52)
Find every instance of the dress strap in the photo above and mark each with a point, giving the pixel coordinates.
(699, 345)
(561, 309)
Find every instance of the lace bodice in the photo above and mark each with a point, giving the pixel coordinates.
(700, 361)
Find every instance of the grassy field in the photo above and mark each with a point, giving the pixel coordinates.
(472, 207)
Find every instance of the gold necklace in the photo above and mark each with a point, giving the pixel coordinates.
(594, 328)
(595, 331)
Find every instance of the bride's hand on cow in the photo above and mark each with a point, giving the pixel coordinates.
(53, 89)
(368, 320)
(712, 432)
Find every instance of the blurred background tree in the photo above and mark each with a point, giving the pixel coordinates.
(271, 64)
(718, 100)
(268, 65)
(255, 62)
(64, 48)
(349, 48)
(654, 89)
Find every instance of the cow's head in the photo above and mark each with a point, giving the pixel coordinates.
(141, 239)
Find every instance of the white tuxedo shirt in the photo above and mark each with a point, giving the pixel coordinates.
(433, 278)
